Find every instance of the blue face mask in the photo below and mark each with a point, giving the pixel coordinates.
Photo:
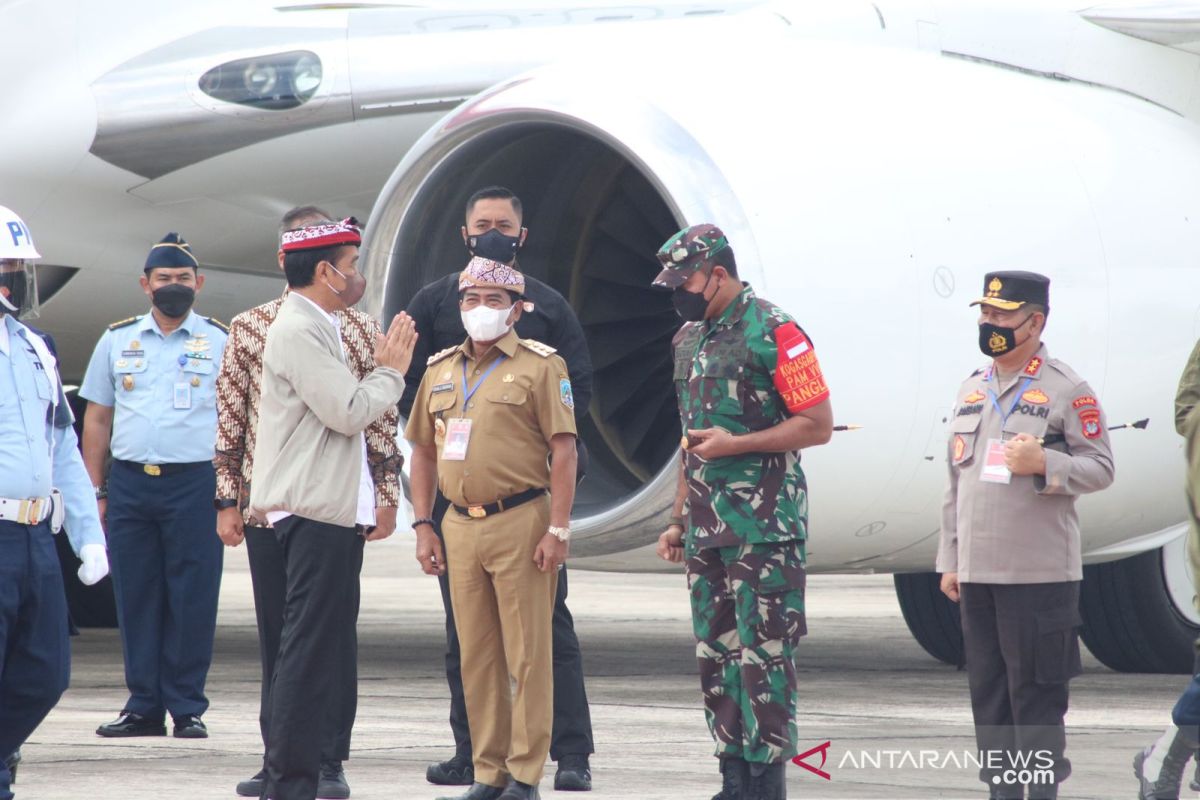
(495, 246)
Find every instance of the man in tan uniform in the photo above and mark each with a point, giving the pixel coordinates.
(487, 415)
(1028, 436)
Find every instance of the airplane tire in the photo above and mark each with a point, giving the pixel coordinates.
(1130, 621)
(931, 616)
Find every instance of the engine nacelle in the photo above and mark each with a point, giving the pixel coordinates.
(864, 189)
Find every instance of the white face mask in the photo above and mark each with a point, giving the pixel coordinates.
(485, 324)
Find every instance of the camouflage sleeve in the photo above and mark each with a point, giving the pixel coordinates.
(233, 389)
(1188, 395)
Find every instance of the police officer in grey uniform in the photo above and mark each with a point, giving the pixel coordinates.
(1028, 436)
(42, 481)
(151, 383)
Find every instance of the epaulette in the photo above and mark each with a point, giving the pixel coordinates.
(123, 323)
(543, 350)
(436, 357)
(216, 323)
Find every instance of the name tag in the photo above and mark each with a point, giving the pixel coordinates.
(183, 395)
(994, 469)
(458, 436)
(442, 387)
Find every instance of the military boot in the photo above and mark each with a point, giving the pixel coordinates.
(1159, 767)
(767, 782)
(735, 775)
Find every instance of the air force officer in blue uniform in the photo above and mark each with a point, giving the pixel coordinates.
(151, 384)
(43, 477)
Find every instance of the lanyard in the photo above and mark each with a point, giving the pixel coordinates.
(469, 393)
(996, 400)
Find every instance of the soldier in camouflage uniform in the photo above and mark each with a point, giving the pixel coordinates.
(751, 395)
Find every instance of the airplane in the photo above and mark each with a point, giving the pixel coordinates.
(869, 161)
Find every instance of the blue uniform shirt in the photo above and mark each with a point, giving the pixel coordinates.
(163, 388)
(38, 447)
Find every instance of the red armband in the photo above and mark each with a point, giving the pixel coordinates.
(797, 374)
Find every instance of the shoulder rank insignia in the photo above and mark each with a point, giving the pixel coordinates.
(436, 357)
(123, 323)
(543, 350)
(1033, 367)
(216, 323)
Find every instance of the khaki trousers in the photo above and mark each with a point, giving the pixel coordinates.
(504, 607)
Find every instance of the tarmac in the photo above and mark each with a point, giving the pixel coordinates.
(898, 723)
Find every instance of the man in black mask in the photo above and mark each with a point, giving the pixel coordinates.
(493, 230)
(151, 392)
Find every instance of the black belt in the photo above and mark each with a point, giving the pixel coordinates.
(479, 512)
(161, 469)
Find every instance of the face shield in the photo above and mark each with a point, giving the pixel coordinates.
(18, 288)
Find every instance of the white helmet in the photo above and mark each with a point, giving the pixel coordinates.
(15, 239)
(18, 281)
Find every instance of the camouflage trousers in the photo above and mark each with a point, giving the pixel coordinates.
(748, 617)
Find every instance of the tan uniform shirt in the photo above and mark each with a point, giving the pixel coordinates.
(520, 405)
(1026, 530)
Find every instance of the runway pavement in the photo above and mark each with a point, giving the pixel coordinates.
(866, 687)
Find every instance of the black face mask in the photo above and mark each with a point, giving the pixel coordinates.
(995, 340)
(17, 287)
(494, 245)
(690, 306)
(174, 299)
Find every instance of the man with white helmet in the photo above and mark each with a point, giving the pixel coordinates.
(43, 481)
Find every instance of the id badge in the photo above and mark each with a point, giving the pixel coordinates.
(458, 436)
(183, 395)
(994, 469)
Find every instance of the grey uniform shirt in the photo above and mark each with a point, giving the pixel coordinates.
(1025, 531)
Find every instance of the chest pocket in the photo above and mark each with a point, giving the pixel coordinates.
(509, 395)
(42, 382)
(128, 374)
(683, 362)
(199, 366)
(442, 402)
(1031, 418)
(721, 386)
(963, 432)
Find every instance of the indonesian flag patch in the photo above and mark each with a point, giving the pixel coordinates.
(798, 376)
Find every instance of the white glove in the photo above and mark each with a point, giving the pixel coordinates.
(95, 563)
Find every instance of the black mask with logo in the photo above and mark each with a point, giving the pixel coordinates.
(691, 306)
(174, 300)
(495, 246)
(996, 340)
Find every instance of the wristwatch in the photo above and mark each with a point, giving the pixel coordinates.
(102, 491)
(222, 503)
(562, 534)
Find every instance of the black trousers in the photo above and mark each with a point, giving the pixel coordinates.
(268, 574)
(1022, 649)
(321, 561)
(572, 732)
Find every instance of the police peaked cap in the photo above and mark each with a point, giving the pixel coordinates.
(1014, 288)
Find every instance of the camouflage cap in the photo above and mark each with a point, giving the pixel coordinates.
(691, 249)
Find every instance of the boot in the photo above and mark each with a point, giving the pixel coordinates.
(767, 782)
(735, 775)
(1159, 767)
(11, 761)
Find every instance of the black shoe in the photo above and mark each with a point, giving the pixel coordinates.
(130, 724)
(735, 779)
(254, 786)
(458, 771)
(11, 761)
(1167, 758)
(332, 785)
(189, 726)
(767, 782)
(479, 791)
(519, 791)
(574, 774)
